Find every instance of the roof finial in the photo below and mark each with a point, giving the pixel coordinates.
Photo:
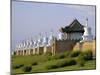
(52, 31)
(40, 35)
(86, 22)
(45, 34)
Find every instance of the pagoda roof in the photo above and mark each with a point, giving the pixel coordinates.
(74, 26)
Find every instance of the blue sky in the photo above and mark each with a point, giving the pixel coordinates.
(31, 18)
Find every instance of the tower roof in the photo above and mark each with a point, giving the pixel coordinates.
(74, 26)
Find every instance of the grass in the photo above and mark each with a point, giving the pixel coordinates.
(45, 60)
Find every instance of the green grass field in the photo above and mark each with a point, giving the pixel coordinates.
(42, 61)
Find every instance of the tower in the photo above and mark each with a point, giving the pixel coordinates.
(87, 36)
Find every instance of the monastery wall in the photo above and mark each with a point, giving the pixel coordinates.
(64, 45)
(87, 46)
(57, 47)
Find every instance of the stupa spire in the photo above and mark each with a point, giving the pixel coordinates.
(86, 22)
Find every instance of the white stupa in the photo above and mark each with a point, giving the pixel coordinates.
(61, 36)
(51, 38)
(87, 36)
(45, 41)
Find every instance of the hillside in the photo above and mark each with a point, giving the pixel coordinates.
(67, 61)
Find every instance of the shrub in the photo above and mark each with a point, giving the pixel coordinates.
(71, 62)
(88, 55)
(61, 63)
(27, 68)
(51, 66)
(49, 58)
(75, 53)
(18, 66)
(59, 56)
(66, 62)
(67, 53)
(81, 61)
(34, 63)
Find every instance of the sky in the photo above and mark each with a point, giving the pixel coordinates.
(29, 19)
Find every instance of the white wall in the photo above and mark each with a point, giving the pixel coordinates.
(75, 36)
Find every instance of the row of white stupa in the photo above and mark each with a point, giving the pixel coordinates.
(45, 41)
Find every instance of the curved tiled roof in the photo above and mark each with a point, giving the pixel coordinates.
(74, 26)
